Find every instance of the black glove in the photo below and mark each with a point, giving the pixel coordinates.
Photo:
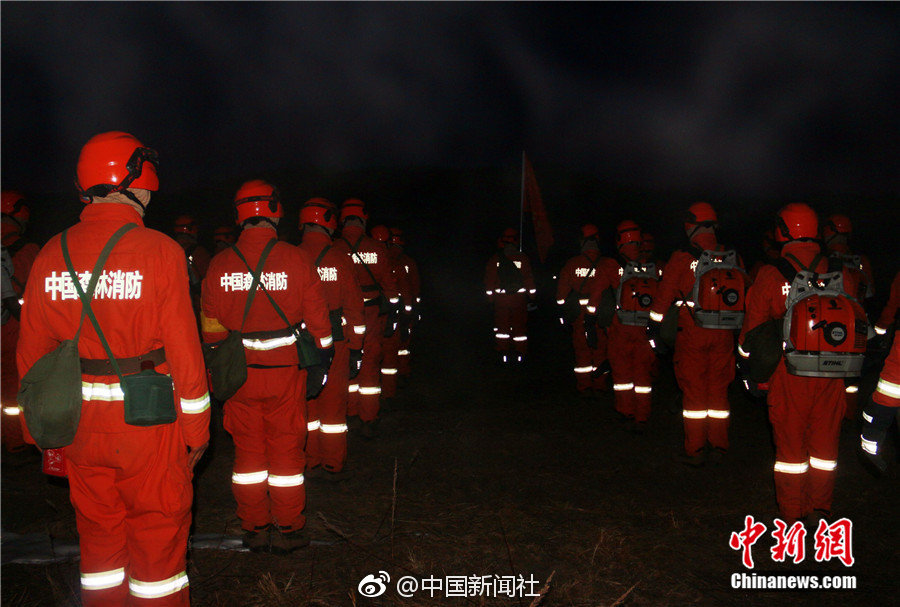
(317, 375)
(355, 362)
(654, 331)
(590, 331)
(876, 421)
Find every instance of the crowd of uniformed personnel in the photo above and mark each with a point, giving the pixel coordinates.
(315, 335)
(795, 328)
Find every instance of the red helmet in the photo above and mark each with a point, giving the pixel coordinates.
(700, 213)
(186, 224)
(589, 230)
(627, 232)
(14, 205)
(796, 221)
(319, 211)
(353, 207)
(224, 234)
(509, 236)
(113, 162)
(836, 225)
(257, 198)
(381, 234)
(397, 237)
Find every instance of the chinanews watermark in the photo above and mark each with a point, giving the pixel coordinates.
(449, 586)
(831, 542)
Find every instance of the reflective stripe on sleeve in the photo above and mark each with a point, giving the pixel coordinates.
(103, 392)
(851, 389)
(694, 414)
(869, 446)
(313, 426)
(359, 329)
(787, 468)
(262, 345)
(295, 480)
(742, 352)
(326, 342)
(195, 405)
(353, 388)
(155, 590)
(867, 417)
(822, 464)
(718, 414)
(334, 428)
(888, 389)
(11, 410)
(249, 478)
(656, 316)
(103, 579)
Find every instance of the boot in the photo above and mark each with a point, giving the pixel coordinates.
(257, 540)
(285, 542)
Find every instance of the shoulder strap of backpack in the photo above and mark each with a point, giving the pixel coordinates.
(322, 255)
(353, 252)
(257, 280)
(17, 246)
(591, 269)
(92, 284)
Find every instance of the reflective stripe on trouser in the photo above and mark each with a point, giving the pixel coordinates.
(369, 377)
(586, 357)
(704, 366)
(327, 445)
(511, 319)
(806, 415)
(851, 397)
(403, 367)
(631, 359)
(132, 496)
(269, 430)
(390, 361)
(10, 424)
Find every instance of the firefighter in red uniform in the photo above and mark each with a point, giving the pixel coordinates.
(805, 408)
(882, 409)
(510, 286)
(771, 253)
(21, 255)
(411, 315)
(390, 347)
(712, 309)
(326, 439)
(223, 237)
(266, 416)
(379, 291)
(130, 485)
(836, 231)
(635, 284)
(572, 291)
(889, 313)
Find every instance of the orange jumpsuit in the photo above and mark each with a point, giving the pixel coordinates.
(266, 417)
(414, 283)
(130, 485)
(326, 439)
(704, 358)
(390, 362)
(805, 411)
(510, 306)
(887, 392)
(366, 252)
(630, 354)
(22, 259)
(578, 275)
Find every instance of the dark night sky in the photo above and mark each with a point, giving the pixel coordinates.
(750, 97)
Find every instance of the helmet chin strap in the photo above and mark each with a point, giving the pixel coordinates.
(130, 196)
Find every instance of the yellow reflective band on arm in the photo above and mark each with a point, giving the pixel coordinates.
(694, 414)
(103, 579)
(623, 387)
(851, 389)
(11, 410)
(249, 478)
(584, 369)
(718, 414)
(787, 468)
(326, 342)
(211, 325)
(822, 464)
(195, 405)
(656, 316)
(155, 590)
(643, 389)
(334, 428)
(313, 426)
(888, 389)
(869, 446)
(294, 480)
(359, 329)
(102, 392)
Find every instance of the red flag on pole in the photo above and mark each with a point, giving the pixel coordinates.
(532, 203)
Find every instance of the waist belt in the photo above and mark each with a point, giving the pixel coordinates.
(128, 366)
(285, 332)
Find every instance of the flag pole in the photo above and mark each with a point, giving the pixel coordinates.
(522, 206)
